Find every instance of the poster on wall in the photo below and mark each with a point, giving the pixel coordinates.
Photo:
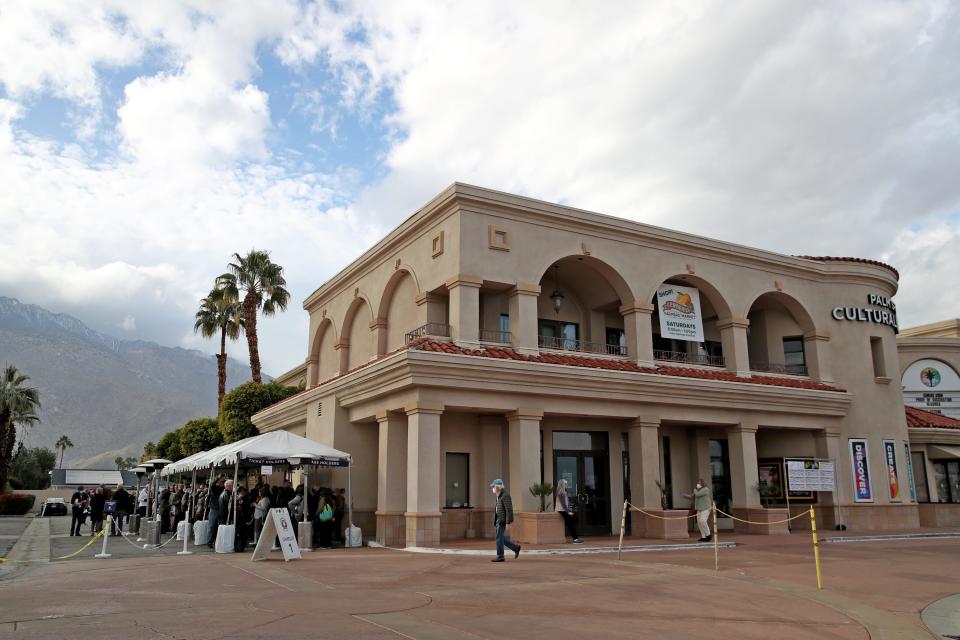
(810, 475)
(770, 485)
(859, 462)
(893, 479)
(679, 309)
(909, 459)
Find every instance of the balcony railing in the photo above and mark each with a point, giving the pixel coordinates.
(495, 335)
(566, 344)
(434, 329)
(689, 358)
(779, 367)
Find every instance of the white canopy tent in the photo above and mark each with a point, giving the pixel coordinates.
(273, 448)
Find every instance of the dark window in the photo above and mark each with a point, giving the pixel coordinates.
(559, 335)
(720, 470)
(793, 351)
(667, 483)
(580, 440)
(920, 476)
(712, 348)
(947, 477)
(616, 337)
(504, 323)
(458, 479)
(876, 350)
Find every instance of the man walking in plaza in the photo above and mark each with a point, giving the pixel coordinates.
(702, 497)
(502, 519)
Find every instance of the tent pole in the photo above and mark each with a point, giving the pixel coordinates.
(236, 474)
(349, 495)
(210, 481)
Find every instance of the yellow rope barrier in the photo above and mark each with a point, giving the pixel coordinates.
(69, 555)
(799, 515)
(653, 515)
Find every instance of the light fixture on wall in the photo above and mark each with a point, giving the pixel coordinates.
(557, 295)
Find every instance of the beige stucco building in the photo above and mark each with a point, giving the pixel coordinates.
(929, 365)
(495, 336)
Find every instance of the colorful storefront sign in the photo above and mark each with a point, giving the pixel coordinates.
(859, 461)
(893, 479)
(680, 316)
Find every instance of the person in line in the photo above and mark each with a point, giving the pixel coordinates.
(226, 503)
(295, 507)
(702, 498)
(502, 519)
(561, 504)
(176, 503)
(325, 519)
(143, 499)
(164, 507)
(213, 513)
(96, 511)
(123, 509)
(243, 521)
(77, 501)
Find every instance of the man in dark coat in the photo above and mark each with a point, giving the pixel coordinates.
(502, 519)
(78, 499)
(124, 507)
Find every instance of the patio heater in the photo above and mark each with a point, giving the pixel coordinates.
(305, 530)
(153, 529)
(133, 524)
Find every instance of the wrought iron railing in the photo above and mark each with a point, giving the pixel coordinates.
(435, 329)
(566, 344)
(689, 358)
(779, 367)
(495, 335)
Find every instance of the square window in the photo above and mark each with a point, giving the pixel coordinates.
(437, 244)
(458, 480)
(499, 238)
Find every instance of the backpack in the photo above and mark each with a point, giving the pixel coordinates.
(326, 514)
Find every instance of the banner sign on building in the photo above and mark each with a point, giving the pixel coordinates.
(680, 316)
(913, 484)
(893, 480)
(859, 461)
(810, 475)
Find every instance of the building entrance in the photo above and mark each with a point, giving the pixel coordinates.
(583, 460)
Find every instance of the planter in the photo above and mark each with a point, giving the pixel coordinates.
(539, 528)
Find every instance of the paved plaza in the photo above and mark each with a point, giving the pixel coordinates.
(765, 588)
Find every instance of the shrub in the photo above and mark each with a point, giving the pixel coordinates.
(244, 401)
(16, 504)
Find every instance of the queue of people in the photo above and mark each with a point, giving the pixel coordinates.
(96, 503)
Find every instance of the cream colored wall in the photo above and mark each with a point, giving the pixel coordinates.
(329, 363)
(402, 309)
(460, 433)
(785, 443)
(360, 337)
(766, 334)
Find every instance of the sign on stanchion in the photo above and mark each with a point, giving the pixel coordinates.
(278, 525)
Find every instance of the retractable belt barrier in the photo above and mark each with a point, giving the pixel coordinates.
(66, 557)
(628, 506)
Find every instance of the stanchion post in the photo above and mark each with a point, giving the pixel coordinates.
(716, 541)
(103, 551)
(186, 538)
(623, 526)
(816, 548)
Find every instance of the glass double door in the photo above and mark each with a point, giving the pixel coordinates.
(588, 488)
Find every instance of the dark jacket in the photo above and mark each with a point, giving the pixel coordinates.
(225, 505)
(96, 506)
(124, 504)
(503, 514)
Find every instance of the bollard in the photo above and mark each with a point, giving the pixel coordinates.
(623, 526)
(716, 541)
(186, 539)
(106, 531)
(816, 548)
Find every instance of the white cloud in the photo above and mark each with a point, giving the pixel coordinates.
(930, 260)
(129, 323)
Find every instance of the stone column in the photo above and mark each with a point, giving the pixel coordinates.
(643, 440)
(392, 479)
(745, 478)
(313, 371)
(343, 354)
(379, 329)
(827, 446)
(816, 350)
(530, 525)
(733, 334)
(423, 475)
(464, 308)
(431, 309)
(638, 326)
(523, 318)
(491, 468)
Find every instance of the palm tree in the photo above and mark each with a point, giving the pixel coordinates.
(18, 405)
(264, 289)
(219, 313)
(62, 445)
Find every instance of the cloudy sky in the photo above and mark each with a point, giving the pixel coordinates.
(142, 143)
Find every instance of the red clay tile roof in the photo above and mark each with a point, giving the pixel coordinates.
(427, 344)
(847, 259)
(920, 419)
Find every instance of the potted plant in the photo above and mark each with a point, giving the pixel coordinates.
(665, 492)
(542, 491)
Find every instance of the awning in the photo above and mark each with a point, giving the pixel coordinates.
(267, 448)
(941, 451)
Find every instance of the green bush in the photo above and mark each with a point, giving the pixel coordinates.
(16, 504)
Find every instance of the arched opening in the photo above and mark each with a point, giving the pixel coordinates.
(324, 361)
(398, 311)
(776, 337)
(578, 308)
(688, 319)
(357, 334)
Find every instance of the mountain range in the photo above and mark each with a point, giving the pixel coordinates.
(110, 396)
